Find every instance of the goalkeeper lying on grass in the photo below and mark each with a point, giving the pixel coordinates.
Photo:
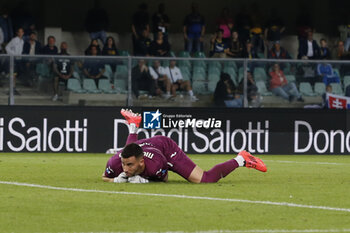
(142, 161)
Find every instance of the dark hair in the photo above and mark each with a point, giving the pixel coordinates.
(132, 149)
(51, 37)
(113, 42)
(225, 76)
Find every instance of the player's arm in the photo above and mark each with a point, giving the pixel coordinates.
(106, 179)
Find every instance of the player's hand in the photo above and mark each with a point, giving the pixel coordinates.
(122, 178)
(137, 180)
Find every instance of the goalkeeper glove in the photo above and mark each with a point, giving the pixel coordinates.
(122, 178)
(137, 180)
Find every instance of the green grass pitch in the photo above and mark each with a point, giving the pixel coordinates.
(305, 180)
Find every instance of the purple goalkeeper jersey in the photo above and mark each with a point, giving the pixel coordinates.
(156, 167)
(160, 154)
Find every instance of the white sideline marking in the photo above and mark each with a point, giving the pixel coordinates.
(249, 231)
(179, 196)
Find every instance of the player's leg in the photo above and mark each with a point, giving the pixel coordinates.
(133, 120)
(243, 159)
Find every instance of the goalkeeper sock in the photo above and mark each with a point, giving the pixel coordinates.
(219, 171)
(132, 128)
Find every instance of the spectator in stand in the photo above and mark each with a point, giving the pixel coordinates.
(225, 23)
(278, 52)
(175, 75)
(110, 49)
(97, 22)
(94, 42)
(309, 49)
(142, 80)
(249, 51)
(63, 69)
(257, 39)
(15, 47)
(160, 22)
(6, 25)
(325, 54)
(160, 47)
(140, 23)
(161, 80)
(280, 86)
(50, 48)
(225, 95)
(94, 68)
(194, 30)
(340, 53)
(235, 46)
(274, 30)
(218, 48)
(327, 73)
(143, 44)
(329, 90)
(252, 89)
(345, 35)
(31, 47)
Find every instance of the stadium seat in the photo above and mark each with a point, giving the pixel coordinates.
(105, 86)
(214, 64)
(232, 72)
(43, 70)
(90, 86)
(259, 74)
(74, 85)
(240, 74)
(230, 64)
(262, 89)
(165, 63)
(121, 85)
(108, 72)
(199, 87)
(121, 72)
(320, 88)
(184, 54)
(346, 81)
(290, 78)
(306, 89)
(337, 89)
(212, 86)
(185, 71)
(198, 73)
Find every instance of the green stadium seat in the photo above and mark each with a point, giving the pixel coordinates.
(346, 81)
(121, 85)
(198, 73)
(121, 72)
(232, 72)
(262, 88)
(214, 64)
(90, 86)
(74, 85)
(212, 86)
(124, 53)
(290, 78)
(230, 64)
(306, 89)
(337, 89)
(199, 87)
(259, 74)
(105, 86)
(108, 72)
(184, 54)
(43, 70)
(320, 88)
